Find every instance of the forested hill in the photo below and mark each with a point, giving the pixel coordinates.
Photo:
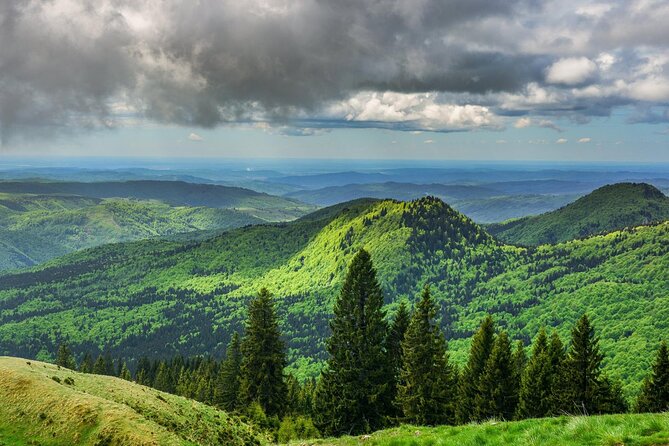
(606, 209)
(160, 298)
(176, 193)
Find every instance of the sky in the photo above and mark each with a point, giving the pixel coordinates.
(389, 79)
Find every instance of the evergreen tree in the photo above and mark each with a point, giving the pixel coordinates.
(426, 392)
(125, 372)
(353, 395)
(86, 365)
(226, 393)
(163, 380)
(655, 390)
(394, 347)
(470, 378)
(519, 360)
(263, 357)
(579, 388)
(498, 389)
(100, 366)
(143, 372)
(64, 357)
(556, 354)
(109, 365)
(536, 383)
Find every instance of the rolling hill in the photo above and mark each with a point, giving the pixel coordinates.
(606, 209)
(158, 298)
(45, 404)
(176, 193)
(36, 228)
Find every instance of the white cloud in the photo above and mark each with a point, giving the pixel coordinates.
(422, 111)
(571, 71)
(545, 123)
(584, 140)
(522, 123)
(562, 141)
(428, 141)
(195, 137)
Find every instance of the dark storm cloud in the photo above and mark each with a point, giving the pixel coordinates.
(71, 64)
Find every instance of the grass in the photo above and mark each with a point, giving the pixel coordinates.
(609, 430)
(43, 404)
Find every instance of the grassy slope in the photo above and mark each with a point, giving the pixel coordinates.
(35, 228)
(171, 297)
(613, 430)
(103, 410)
(606, 209)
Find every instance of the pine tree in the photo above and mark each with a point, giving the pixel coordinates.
(125, 372)
(468, 387)
(498, 390)
(519, 361)
(226, 393)
(655, 391)
(579, 384)
(64, 357)
(100, 366)
(394, 346)
(353, 394)
(263, 357)
(536, 383)
(426, 393)
(556, 354)
(86, 365)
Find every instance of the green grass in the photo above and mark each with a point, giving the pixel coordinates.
(43, 404)
(610, 430)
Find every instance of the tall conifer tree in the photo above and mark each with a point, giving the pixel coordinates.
(468, 387)
(580, 386)
(64, 357)
(535, 390)
(263, 357)
(655, 391)
(226, 392)
(394, 346)
(353, 395)
(498, 389)
(426, 392)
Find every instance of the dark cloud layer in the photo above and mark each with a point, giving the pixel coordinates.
(72, 64)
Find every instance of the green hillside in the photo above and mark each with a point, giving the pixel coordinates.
(160, 298)
(176, 193)
(36, 228)
(606, 209)
(44, 404)
(628, 430)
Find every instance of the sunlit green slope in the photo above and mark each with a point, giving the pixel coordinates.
(606, 209)
(44, 404)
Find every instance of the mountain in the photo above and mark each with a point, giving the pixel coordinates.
(45, 404)
(482, 203)
(176, 193)
(606, 209)
(36, 228)
(158, 297)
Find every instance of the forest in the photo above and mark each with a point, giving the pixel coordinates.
(380, 374)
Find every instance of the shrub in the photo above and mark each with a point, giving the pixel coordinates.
(297, 428)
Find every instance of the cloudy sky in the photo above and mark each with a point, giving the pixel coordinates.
(507, 79)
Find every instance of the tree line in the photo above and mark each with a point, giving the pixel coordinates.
(381, 373)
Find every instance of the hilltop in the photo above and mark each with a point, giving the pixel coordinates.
(45, 404)
(188, 298)
(606, 209)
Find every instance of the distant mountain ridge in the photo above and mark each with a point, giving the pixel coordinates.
(606, 209)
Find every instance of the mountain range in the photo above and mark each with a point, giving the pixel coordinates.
(158, 297)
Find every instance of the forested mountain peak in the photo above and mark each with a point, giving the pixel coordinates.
(606, 209)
